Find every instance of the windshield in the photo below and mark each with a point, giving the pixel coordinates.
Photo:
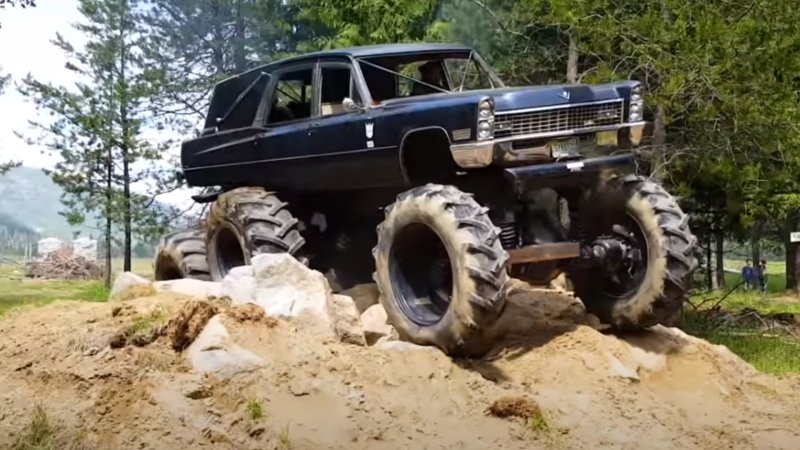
(412, 75)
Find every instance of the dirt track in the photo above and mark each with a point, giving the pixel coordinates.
(658, 390)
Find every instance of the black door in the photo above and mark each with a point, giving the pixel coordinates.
(343, 142)
(287, 118)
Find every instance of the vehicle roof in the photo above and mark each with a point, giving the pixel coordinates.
(389, 49)
(362, 51)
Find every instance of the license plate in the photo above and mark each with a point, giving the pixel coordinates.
(563, 148)
(606, 138)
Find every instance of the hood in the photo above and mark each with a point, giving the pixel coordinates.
(507, 99)
(554, 95)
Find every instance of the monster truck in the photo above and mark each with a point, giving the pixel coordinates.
(416, 162)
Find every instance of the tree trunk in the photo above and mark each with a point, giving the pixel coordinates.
(125, 148)
(108, 228)
(572, 57)
(791, 256)
(239, 50)
(709, 266)
(720, 254)
(659, 158)
(755, 242)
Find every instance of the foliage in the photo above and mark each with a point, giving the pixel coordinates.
(98, 125)
(190, 45)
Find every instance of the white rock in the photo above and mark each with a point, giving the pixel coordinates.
(192, 288)
(239, 285)
(386, 343)
(286, 288)
(343, 314)
(373, 321)
(621, 370)
(125, 281)
(214, 352)
(652, 362)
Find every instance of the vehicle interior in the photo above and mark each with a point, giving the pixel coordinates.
(413, 75)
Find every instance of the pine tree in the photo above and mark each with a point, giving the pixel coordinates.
(98, 126)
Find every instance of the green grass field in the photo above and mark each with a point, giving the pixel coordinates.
(16, 291)
(776, 275)
(774, 352)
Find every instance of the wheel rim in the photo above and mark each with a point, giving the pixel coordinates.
(627, 278)
(421, 274)
(228, 251)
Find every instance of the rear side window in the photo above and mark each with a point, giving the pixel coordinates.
(292, 99)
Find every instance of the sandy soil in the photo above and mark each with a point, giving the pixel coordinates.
(555, 382)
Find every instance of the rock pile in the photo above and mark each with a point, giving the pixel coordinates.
(63, 264)
(284, 289)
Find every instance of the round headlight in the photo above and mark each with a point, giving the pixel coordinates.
(636, 98)
(635, 109)
(485, 109)
(484, 130)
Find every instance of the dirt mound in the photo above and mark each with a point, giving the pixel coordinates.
(555, 382)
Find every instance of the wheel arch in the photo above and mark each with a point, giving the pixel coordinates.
(435, 142)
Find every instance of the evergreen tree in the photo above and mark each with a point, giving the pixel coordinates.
(98, 126)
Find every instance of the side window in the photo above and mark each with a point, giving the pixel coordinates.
(292, 99)
(337, 84)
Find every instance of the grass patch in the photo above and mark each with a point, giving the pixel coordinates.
(255, 410)
(16, 293)
(146, 329)
(538, 423)
(42, 433)
(772, 351)
(284, 439)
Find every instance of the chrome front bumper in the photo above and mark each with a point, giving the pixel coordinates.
(479, 154)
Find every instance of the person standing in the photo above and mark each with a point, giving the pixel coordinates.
(748, 275)
(762, 276)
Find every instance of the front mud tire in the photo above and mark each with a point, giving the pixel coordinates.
(182, 254)
(670, 262)
(245, 222)
(440, 269)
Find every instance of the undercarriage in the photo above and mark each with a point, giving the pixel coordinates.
(442, 254)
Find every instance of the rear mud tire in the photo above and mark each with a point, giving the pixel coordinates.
(245, 222)
(670, 262)
(439, 230)
(182, 254)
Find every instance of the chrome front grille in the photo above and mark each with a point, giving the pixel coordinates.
(560, 120)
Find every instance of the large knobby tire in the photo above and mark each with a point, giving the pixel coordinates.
(657, 294)
(245, 222)
(441, 271)
(182, 254)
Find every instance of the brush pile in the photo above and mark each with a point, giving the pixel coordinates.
(63, 264)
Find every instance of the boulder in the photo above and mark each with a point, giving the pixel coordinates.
(286, 288)
(343, 315)
(125, 282)
(239, 285)
(214, 352)
(373, 322)
(189, 287)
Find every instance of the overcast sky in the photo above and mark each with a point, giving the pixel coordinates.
(25, 47)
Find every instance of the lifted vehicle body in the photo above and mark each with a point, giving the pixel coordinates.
(339, 134)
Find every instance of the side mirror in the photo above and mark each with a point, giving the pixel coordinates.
(351, 106)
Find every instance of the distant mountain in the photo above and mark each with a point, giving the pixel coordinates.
(31, 199)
